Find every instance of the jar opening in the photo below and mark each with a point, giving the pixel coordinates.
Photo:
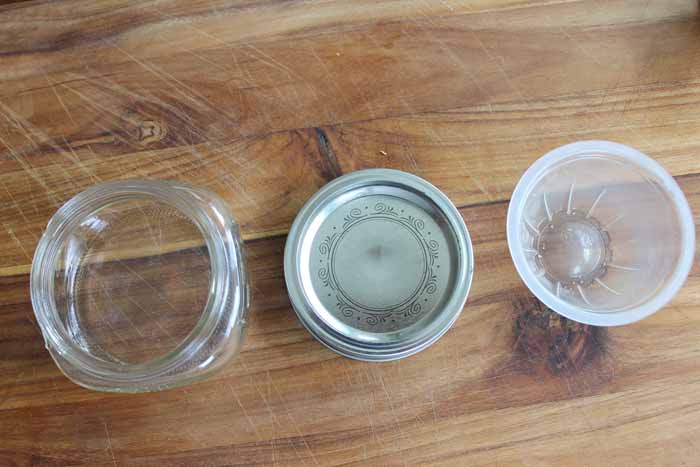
(140, 285)
(131, 281)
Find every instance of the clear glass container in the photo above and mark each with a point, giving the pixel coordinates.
(140, 286)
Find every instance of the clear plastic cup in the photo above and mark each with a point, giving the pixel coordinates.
(600, 233)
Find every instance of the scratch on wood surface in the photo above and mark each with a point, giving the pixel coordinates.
(363, 96)
(230, 88)
(17, 242)
(299, 102)
(154, 99)
(499, 62)
(409, 157)
(273, 62)
(456, 59)
(29, 170)
(144, 66)
(113, 136)
(58, 98)
(273, 445)
(408, 108)
(245, 414)
(282, 97)
(250, 81)
(109, 443)
(17, 207)
(163, 76)
(205, 102)
(436, 419)
(274, 422)
(37, 455)
(291, 418)
(98, 106)
(371, 408)
(360, 403)
(239, 188)
(31, 132)
(613, 88)
(577, 44)
(475, 179)
(76, 160)
(280, 100)
(174, 174)
(206, 60)
(329, 77)
(230, 47)
(447, 5)
(397, 421)
(188, 400)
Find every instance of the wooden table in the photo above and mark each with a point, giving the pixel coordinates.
(264, 102)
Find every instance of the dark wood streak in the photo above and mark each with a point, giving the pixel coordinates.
(559, 345)
(110, 25)
(330, 168)
(90, 35)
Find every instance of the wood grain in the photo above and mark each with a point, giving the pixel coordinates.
(265, 101)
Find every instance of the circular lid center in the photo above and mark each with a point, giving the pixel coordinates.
(379, 264)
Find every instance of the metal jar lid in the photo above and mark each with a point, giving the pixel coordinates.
(378, 264)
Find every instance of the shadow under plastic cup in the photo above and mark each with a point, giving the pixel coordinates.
(600, 233)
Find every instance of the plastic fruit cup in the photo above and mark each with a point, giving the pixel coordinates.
(600, 233)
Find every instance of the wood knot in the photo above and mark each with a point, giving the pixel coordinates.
(558, 344)
(150, 131)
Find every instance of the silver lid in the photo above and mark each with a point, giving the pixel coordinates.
(378, 264)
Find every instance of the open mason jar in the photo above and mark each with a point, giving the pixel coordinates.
(140, 286)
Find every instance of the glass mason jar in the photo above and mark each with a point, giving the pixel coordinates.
(140, 286)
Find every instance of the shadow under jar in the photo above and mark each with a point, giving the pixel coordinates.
(140, 286)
